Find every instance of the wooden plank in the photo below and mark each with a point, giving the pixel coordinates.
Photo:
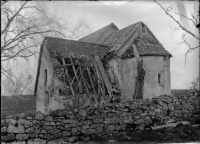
(104, 76)
(83, 79)
(165, 126)
(65, 65)
(68, 78)
(88, 71)
(100, 79)
(75, 72)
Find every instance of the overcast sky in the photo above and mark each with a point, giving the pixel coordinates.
(99, 14)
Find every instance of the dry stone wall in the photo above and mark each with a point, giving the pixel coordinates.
(79, 125)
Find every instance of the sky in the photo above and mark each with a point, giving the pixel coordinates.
(122, 14)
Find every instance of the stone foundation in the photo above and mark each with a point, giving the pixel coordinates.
(78, 125)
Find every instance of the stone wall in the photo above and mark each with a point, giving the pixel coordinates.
(79, 125)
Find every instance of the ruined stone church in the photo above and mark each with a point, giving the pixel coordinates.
(101, 64)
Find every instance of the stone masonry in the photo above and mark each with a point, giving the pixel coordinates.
(72, 125)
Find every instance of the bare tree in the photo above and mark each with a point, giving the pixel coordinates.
(193, 18)
(23, 27)
(20, 86)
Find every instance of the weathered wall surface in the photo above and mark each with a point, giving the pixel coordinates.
(125, 71)
(42, 98)
(73, 125)
(153, 65)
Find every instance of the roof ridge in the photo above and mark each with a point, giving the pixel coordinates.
(75, 41)
(131, 25)
(112, 25)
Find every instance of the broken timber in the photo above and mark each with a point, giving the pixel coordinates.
(65, 65)
(104, 76)
(170, 125)
(67, 74)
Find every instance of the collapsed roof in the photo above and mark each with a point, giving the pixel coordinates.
(59, 47)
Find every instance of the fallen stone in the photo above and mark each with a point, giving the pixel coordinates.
(39, 116)
(83, 113)
(11, 121)
(170, 107)
(49, 118)
(43, 131)
(24, 122)
(136, 117)
(36, 131)
(36, 122)
(141, 127)
(111, 128)
(36, 126)
(70, 121)
(53, 142)
(61, 127)
(22, 137)
(97, 120)
(43, 136)
(177, 106)
(29, 118)
(18, 129)
(91, 131)
(29, 130)
(66, 134)
(157, 110)
(72, 139)
(140, 121)
(143, 114)
(8, 138)
(99, 129)
(32, 135)
(84, 127)
(36, 141)
(74, 130)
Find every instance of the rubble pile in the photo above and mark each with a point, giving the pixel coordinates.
(79, 125)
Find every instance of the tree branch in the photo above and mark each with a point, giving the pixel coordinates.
(177, 21)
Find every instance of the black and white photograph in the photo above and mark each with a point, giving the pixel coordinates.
(100, 72)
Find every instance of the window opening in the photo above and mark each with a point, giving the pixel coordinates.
(45, 77)
(159, 79)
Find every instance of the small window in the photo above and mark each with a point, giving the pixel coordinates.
(59, 91)
(45, 77)
(161, 78)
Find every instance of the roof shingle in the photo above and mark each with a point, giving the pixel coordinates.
(66, 48)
